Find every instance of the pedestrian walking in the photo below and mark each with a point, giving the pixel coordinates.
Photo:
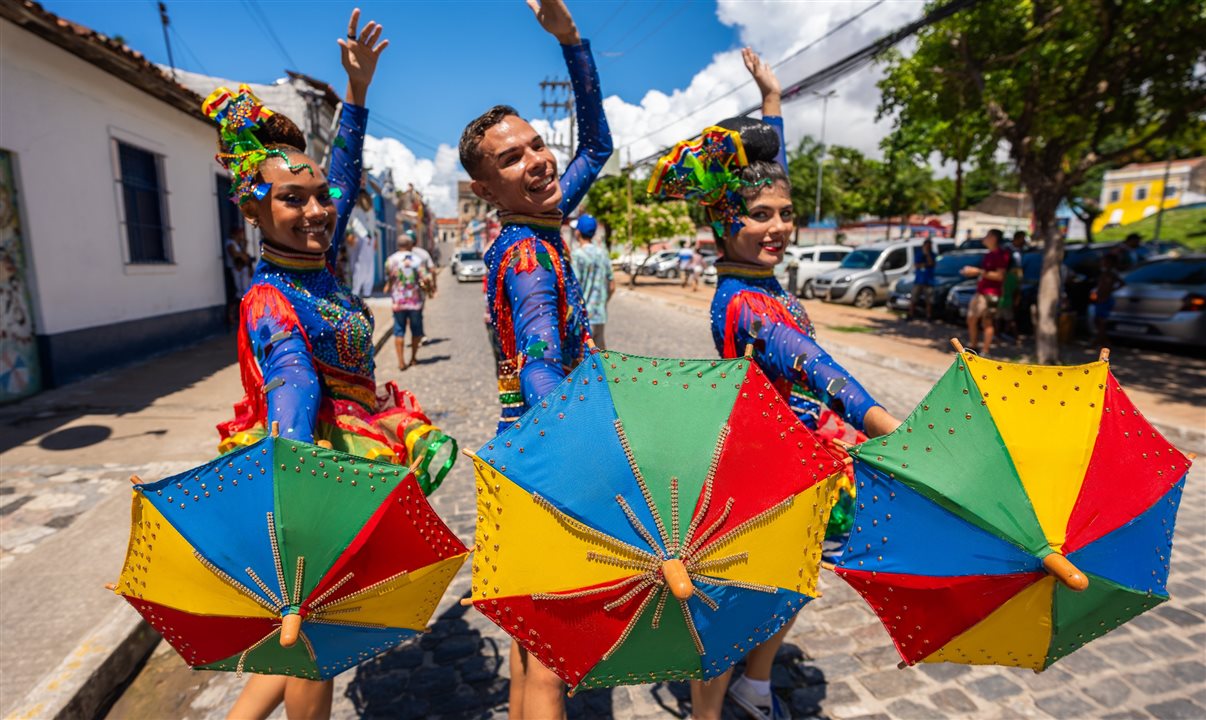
(684, 261)
(923, 279)
(305, 341)
(533, 295)
(753, 222)
(362, 248)
(982, 312)
(592, 267)
(405, 272)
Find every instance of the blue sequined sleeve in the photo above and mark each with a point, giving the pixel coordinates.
(290, 381)
(784, 352)
(776, 122)
(346, 154)
(533, 298)
(594, 137)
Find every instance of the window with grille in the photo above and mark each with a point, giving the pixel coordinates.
(143, 201)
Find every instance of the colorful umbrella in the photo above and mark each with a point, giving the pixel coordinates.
(1018, 513)
(650, 519)
(285, 540)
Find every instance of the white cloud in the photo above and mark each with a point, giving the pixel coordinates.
(774, 29)
(436, 179)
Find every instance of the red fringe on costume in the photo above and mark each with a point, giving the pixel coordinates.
(524, 255)
(768, 308)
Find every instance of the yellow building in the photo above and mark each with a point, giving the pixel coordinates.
(1134, 192)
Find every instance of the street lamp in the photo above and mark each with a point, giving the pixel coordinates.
(821, 155)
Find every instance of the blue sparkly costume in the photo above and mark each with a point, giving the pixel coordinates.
(306, 342)
(532, 294)
(785, 345)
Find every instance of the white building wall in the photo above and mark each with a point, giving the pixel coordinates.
(59, 115)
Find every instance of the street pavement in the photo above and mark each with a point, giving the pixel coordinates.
(837, 662)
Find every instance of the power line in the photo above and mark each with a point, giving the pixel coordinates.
(189, 51)
(682, 6)
(265, 24)
(854, 61)
(401, 132)
(708, 102)
(614, 14)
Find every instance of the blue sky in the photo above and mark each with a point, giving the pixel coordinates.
(446, 62)
(668, 67)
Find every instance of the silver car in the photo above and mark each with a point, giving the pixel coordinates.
(467, 266)
(1163, 301)
(867, 275)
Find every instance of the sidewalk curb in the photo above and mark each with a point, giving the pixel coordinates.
(86, 679)
(1184, 439)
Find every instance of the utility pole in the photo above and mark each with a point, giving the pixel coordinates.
(821, 155)
(628, 196)
(163, 18)
(557, 101)
(1163, 194)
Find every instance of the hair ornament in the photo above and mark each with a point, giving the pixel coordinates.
(704, 170)
(238, 115)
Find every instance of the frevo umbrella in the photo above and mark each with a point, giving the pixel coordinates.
(237, 560)
(1018, 513)
(650, 519)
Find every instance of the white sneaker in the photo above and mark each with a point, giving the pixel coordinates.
(760, 707)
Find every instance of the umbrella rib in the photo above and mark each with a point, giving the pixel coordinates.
(243, 658)
(758, 519)
(650, 564)
(267, 590)
(276, 558)
(345, 623)
(691, 627)
(640, 478)
(629, 627)
(771, 589)
(234, 583)
(636, 590)
(663, 593)
(592, 591)
(705, 599)
(703, 537)
(331, 590)
(606, 540)
(673, 546)
(640, 528)
(297, 579)
(309, 647)
(360, 593)
(336, 611)
(719, 562)
(706, 501)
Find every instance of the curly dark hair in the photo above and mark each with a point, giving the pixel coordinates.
(279, 131)
(471, 138)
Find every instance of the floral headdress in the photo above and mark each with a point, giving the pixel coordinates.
(241, 152)
(704, 170)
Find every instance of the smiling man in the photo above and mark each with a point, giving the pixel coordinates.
(532, 294)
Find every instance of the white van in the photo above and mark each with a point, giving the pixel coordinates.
(811, 261)
(868, 274)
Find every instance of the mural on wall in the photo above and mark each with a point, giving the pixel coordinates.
(19, 375)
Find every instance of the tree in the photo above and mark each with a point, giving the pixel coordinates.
(802, 172)
(935, 111)
(1071, 86)
(651, 219)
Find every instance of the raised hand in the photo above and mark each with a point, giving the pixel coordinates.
(764, 78)
(555, 18)
(359, 53)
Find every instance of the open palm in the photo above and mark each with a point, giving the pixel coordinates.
(360, 50)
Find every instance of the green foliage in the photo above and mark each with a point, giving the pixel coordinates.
(652, 219)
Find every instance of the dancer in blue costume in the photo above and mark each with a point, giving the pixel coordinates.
(305, 341)
(532, 294)
(748, 199)
(531, 291)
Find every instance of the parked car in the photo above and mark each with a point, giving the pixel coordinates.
(947, 274)
(1163, 301)
(467, 266)
(1083, 261)
(811, 260)
(662, 264)
(867, 275)
(630, 262)
(710, 276)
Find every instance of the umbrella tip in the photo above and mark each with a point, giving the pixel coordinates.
(1105, 355)
(290, 629)
(111, 587)
(958, 346)
(276, 429)
(466, 602)
(135, 480)
(1063, 570)
(902, 664)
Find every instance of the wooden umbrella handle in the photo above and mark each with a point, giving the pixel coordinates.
(1063, 570)
(290, 629)
(677, 578)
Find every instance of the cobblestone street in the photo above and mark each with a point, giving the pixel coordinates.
(837, 661)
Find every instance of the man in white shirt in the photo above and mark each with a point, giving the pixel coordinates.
(362, 247)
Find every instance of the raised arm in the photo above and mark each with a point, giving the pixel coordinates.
(594, 137)
(359, 52)
(768, 85)
(276, 344)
